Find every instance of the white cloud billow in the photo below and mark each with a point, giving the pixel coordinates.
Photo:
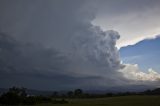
(133, 72)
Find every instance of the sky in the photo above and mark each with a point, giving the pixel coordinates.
(135, 20)
(68, 44)
(145, 54)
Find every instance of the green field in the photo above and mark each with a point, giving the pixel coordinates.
(113, 101)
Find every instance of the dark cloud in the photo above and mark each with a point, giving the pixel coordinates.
(55, 40)
(115, 8)
(52, 44)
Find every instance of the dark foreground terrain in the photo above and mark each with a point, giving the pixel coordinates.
(19, 97)
(113, 101)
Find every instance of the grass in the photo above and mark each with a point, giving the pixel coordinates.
(113, 101)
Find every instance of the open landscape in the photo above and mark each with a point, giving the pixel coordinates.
(113, 101)
(19, 96)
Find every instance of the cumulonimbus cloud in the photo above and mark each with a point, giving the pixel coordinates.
(56, 44)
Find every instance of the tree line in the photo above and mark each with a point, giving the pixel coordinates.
(18, 96)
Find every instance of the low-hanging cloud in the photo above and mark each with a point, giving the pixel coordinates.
(54, 44)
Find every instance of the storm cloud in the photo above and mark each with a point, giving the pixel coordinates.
(52, 44)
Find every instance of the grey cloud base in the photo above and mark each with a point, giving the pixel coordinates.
(52, 44)
(33, 66)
